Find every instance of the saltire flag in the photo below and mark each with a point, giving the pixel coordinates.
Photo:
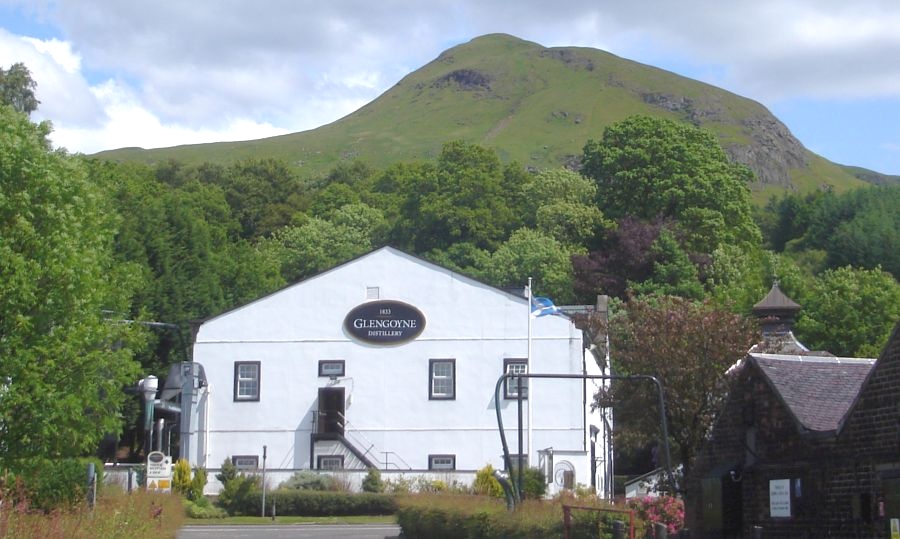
(541, 306)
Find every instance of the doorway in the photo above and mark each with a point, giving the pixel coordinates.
(331, 410)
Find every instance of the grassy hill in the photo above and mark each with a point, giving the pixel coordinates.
(534, 105)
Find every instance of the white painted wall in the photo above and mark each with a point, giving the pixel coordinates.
(387, 387)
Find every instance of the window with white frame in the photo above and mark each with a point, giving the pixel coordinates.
(442, 379)
(246, 380)
(330, 462)
(245, 462)
(331, 367)
(441, 462)
(515, 366)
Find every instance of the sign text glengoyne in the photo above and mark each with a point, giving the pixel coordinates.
(384, 322)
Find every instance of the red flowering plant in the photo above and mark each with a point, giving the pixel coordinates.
(663, 509)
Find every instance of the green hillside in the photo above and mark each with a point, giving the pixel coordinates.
(535, 105)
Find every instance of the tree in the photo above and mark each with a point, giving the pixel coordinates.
(529, 253)
(688, 346)
(320, 244)
(463, 198)
(62, 362)
(563, 204)
(673, 272)
(849, 312)
(650, 167)
(624, 257)
(17, 88)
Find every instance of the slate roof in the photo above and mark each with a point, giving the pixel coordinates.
(817, 390)
(777, 301)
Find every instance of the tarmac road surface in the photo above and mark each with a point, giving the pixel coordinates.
(292, 531)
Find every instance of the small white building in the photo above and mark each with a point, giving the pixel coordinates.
(391, 361)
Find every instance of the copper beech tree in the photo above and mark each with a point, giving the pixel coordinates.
(689, 346)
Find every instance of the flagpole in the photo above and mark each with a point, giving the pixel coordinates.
(528, 368)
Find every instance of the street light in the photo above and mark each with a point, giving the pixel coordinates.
(149, 386)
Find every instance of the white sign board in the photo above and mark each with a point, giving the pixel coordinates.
(159, 472)
(780, 498)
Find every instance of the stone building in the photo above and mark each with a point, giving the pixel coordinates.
(807, 444)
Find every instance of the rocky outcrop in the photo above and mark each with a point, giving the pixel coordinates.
(772, 151)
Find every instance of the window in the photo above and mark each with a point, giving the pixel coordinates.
(330, 462)
(331, 367)
(246, 380)
(245, 462)
(441, 462)
(373, 292)
(515, 366)
(442, 379)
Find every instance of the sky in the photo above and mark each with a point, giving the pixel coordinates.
(113, 74)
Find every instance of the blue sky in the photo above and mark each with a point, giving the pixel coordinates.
(112, 74)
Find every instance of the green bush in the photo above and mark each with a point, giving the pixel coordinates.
(486, 484)
(443, 516)
(227, 472)
(181, 477)
(372, 481)
(198, 483)
(309, 480)
(534, 484)
(48, 484)
(202, 508)
(240, 494)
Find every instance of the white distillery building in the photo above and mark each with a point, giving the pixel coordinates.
(391, 361)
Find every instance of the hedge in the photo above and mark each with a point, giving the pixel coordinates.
(473, 517)
(315, 503)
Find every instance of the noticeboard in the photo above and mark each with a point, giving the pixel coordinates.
(780, 498)
(159, 472)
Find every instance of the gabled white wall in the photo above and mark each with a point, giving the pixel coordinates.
(386, 387)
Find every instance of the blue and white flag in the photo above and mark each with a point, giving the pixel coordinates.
(543, 306)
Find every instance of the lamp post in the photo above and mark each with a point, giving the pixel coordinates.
(149, 386)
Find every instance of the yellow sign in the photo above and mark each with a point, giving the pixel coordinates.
(895, 528)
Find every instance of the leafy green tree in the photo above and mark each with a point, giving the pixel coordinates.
(652, 167)
(185, 242)
(463, 198)
(529, 253)
(17, 88)
(263, 195)
(319, 244)
(849, 312)
(738, 278)
(563, 204)
(673, 272)
(63, 363)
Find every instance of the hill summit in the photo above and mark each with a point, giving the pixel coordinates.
(535, 105)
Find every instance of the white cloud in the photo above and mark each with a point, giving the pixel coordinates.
(207, 68)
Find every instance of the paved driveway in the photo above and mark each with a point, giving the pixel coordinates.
(292, 531)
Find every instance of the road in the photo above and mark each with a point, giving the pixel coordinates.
(292, 531)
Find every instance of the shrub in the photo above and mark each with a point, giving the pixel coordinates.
(198, 483)
(308, 480)
(227, 472)
(534, 484)
(47, 484)
(181, 477)
(202, 508)
(486, 484)
(372, 481)
(664, 509)
(443, 516)
(239, 494)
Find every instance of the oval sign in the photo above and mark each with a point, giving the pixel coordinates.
(384, 322)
